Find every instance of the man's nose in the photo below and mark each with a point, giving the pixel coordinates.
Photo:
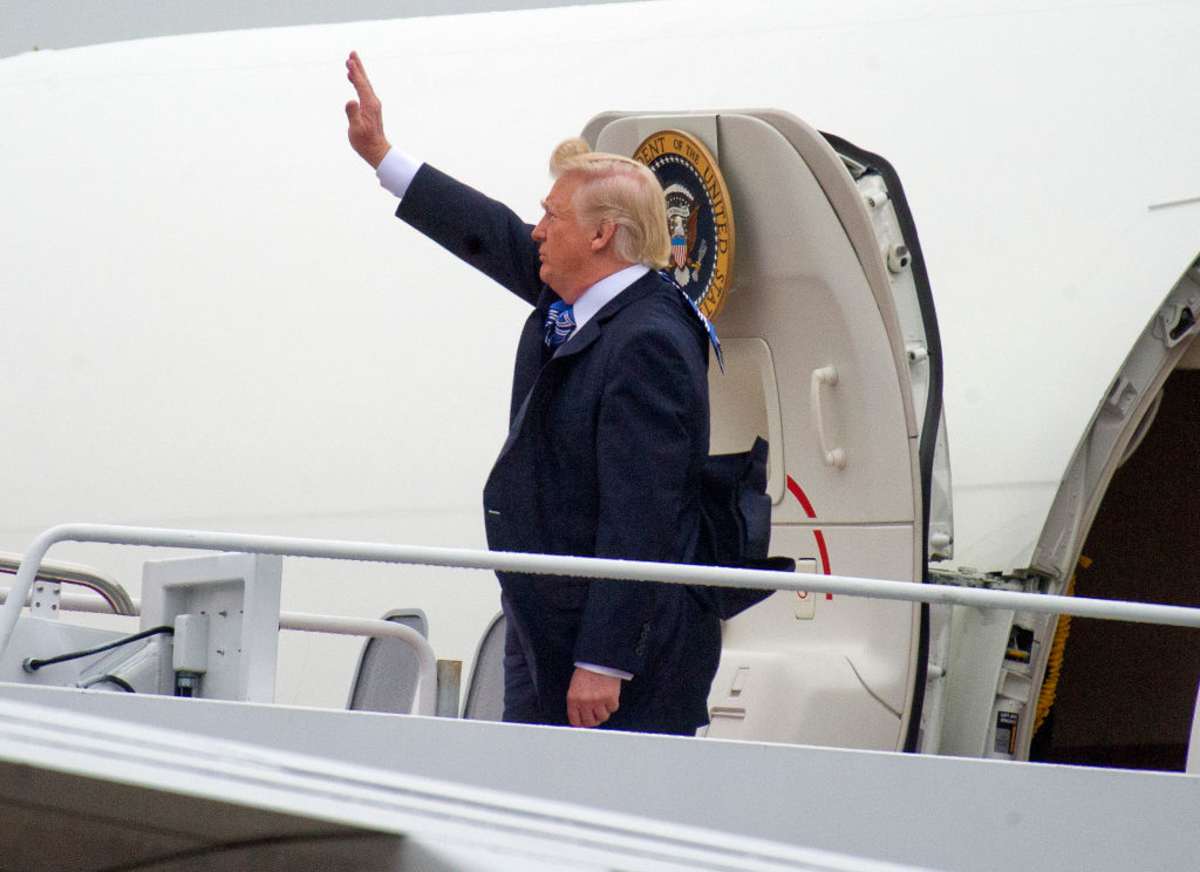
(538, 233)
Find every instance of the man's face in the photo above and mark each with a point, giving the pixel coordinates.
(564, 244)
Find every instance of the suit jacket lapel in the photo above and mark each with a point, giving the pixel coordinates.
(580, 342)
(587, 334)
(590, 331)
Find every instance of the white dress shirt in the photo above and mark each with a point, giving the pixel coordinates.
(600, 294)
(395, 173)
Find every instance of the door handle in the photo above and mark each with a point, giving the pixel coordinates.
(826, 375)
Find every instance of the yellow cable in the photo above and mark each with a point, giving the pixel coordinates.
(1055, 661)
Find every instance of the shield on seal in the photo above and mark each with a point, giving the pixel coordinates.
(679, 250)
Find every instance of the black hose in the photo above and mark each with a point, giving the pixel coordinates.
(33, 664)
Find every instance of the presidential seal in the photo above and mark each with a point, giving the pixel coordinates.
(699, 216)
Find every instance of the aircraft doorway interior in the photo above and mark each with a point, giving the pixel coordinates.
(1126, 692)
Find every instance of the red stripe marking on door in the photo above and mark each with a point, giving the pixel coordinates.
(820, 537)
(798, 493)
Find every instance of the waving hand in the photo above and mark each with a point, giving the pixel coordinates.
(365, 115)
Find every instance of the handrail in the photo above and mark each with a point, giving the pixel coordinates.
(75, 573)
(586, 567)
(425, 693)
(79, 602)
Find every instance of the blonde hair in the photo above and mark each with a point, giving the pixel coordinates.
(621, 190)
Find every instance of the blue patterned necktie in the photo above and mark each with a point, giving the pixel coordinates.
(559, 323)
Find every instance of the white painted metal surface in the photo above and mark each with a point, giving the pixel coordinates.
(941, 812)
(803, 668)
(28, 25)
(822, 376)
(425, 696)
(238, 596)
(480, 828)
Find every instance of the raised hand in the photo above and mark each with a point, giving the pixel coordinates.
(365, 115)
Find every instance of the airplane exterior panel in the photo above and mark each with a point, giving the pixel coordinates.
(217, 323)
(940, 812)
(818, 669)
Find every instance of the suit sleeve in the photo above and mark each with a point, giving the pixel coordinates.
(651, 443)
(474, 228)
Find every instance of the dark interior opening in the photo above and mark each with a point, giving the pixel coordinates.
(1127, 691)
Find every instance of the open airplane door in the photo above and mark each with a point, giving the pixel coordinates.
(1121, 694)
(831, 353)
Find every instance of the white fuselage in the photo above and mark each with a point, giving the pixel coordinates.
(216, 323)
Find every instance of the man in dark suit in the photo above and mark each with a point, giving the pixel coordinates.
(608, 432)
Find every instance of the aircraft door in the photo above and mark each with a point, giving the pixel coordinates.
(828, 358)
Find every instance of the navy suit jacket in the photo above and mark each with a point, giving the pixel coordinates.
(607, 441)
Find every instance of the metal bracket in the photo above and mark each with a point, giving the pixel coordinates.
(44, 600)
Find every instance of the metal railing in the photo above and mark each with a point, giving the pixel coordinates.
(424, 700)
(73, 573)
(585, 567)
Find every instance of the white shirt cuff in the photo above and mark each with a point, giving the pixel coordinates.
(396, 171)
(606, 670)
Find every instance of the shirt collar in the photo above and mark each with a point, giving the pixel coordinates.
(594, 298)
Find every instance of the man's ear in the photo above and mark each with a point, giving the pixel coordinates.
(605, 231)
